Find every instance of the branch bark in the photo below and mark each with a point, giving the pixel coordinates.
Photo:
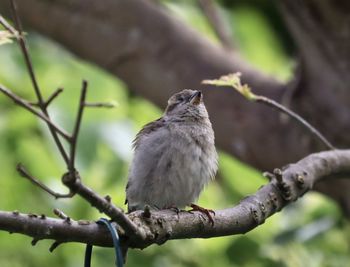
(286, 186)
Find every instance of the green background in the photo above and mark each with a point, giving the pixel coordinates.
(311, 232)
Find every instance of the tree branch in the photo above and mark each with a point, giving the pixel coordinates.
(53, 96)
(42, 227)
(74, 138)
(286, 186)
(233, 80)
(73, 182)
(24, 173)
(26, 105)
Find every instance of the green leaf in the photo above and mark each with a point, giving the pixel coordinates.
(233, 80)
(5, 37)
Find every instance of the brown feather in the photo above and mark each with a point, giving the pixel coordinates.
(148, 128)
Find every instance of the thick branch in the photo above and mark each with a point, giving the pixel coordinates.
(73, 182)
(42, 227)
(286, 186)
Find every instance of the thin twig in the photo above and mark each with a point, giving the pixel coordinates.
(41, 103)
(99, 105)
(8, 26)
(62, 215)
(49, 99)
(234, 80)
(24, 173)
(73, 182)
(308, 126)
(25, 52)
(53, 96)
(74, 138)
(54, 246)
(23, 103)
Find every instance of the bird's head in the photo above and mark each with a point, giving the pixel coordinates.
(187, 104)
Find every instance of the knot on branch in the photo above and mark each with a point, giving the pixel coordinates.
(300, 180)
(273, 200)
(72, 180)
(258, 210)
(147, 212)
(283, 186)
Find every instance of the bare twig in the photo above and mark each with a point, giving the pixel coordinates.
(61, 214)
(100, 105)
(23, 103)
(34, 241)
(24, 173)
(41, 102)
(8, 26)
(234, 81)
(74, 138)
(212, 12)
(49, 99)
(73, 182)
(54, 246)
(272, 103)
(53, 96)
(25, 52)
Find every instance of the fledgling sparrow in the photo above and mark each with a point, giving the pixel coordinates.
(175, 156)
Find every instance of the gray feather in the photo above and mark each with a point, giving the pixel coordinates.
(174, 158)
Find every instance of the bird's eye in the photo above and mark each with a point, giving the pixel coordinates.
(180, 99)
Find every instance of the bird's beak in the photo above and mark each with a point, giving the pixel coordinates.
(196, 98)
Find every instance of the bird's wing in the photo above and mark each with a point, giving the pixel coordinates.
(147, 129)
(149, 144)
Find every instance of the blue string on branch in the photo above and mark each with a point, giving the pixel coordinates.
(115, 237)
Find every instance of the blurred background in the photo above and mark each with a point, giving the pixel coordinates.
(311, 232)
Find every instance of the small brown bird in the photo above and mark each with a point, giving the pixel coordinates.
(175, 156)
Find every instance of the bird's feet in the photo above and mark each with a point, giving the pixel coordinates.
(204, 211)
(174, 209)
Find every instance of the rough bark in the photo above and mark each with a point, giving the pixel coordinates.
(155, 54)
(285, 187)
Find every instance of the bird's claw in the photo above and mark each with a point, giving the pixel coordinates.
(174, 209)
(204, 211)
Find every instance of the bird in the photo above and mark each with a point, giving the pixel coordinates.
(174, 157)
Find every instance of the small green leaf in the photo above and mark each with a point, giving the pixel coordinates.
(233, 80)
(5, 37)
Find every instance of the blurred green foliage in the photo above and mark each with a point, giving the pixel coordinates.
(309, 233)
